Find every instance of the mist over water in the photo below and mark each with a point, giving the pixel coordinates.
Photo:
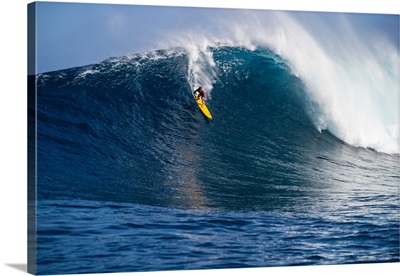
(350, 73)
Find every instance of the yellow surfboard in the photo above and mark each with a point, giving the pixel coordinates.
(203, 107)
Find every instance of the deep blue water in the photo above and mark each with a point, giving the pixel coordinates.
(132, 177)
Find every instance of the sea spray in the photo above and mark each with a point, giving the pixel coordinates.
(352, 80)
(201, 68)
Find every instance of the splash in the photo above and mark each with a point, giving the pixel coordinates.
(201, 67)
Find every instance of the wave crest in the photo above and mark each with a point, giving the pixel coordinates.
(351, 77)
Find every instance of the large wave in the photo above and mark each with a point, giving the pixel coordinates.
(127, 129)
(273, 90)
(351, 75)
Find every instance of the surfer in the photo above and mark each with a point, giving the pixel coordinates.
(199, 92)
(200, 97)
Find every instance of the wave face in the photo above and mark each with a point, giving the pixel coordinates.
(127, 163)
(134, 114)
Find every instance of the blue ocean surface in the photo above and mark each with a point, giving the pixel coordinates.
(132, 177)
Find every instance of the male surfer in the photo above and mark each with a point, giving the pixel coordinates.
(199, 92)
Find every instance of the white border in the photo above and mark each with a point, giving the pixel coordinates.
(14, 117)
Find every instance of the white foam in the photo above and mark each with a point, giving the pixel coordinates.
(353, 81)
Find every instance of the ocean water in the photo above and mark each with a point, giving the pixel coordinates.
(300, 164)
(132, 177)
